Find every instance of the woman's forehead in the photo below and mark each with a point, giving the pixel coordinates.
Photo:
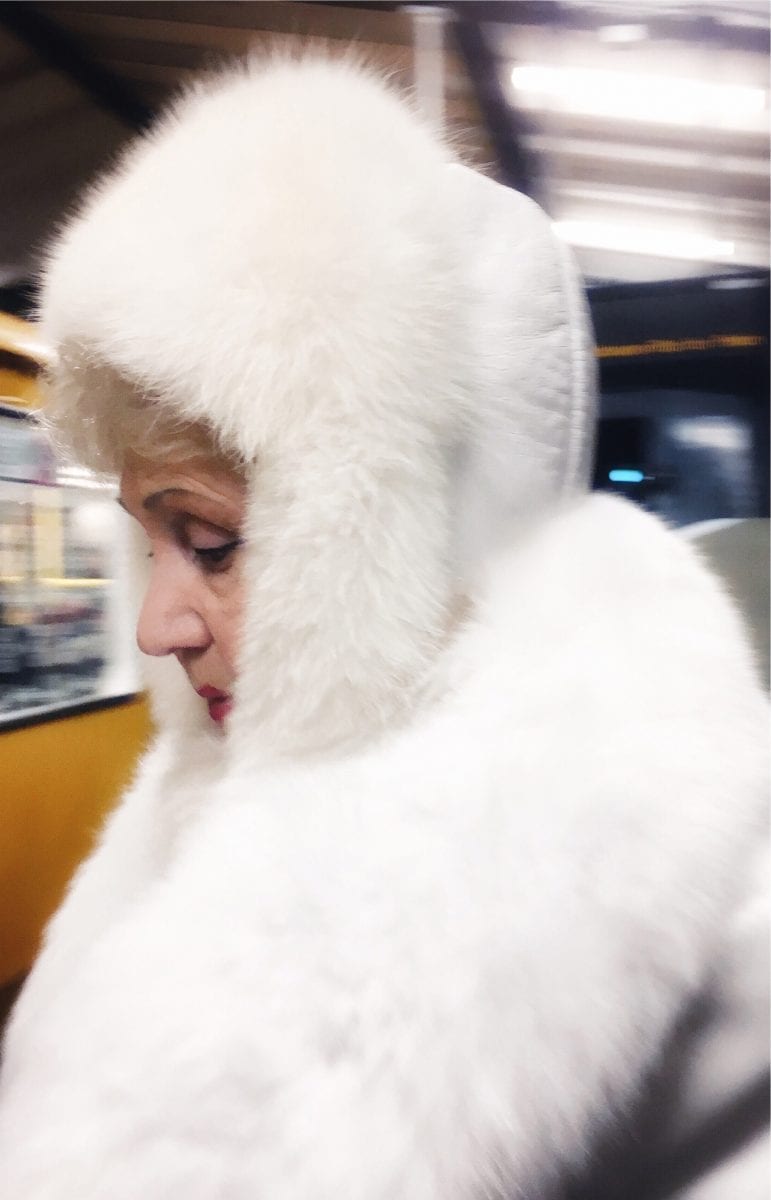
(204, 476)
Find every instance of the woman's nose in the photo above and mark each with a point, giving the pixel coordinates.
(170, 618)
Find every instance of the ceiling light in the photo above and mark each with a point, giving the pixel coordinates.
(734, 282)
(712, 433)
(629, 95)
(634, 239)
(74, 476)
(622, 34)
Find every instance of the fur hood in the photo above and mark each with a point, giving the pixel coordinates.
(397, 345)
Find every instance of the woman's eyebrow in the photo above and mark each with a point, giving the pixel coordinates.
(154, 499)
(226, 517)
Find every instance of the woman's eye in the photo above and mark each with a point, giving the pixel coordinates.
(211, 547)
(213, 558)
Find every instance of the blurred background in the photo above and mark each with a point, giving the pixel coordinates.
(641, 128)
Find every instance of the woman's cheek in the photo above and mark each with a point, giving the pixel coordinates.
(227, 619)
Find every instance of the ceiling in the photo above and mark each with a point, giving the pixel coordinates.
(641, 127)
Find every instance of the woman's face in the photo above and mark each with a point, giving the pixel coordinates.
(192, 515)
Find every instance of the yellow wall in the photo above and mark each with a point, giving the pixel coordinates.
(22, 339)
(17, 390)
(59, 779)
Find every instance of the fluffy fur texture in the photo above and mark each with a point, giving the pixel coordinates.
(420, 925)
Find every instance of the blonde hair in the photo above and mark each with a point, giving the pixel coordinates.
(112, 416)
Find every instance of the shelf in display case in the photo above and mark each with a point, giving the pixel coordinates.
(65, 632)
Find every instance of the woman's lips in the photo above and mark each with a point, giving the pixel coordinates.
(220, 703)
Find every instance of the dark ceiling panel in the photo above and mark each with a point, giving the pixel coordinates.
(57, 48)
(300, 20)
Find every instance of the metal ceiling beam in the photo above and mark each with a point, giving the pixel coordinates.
(504, 124)
(58, 49)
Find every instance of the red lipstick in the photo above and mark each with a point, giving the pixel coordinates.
(220, 703)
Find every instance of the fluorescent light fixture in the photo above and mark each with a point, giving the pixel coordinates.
(75, 476)
(622, 34)
(736, 282)
(745, 20)
(617, 475)
(713, 433)
(631, 96)
(634, 239)
(647, 154)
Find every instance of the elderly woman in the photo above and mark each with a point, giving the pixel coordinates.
(458, 774)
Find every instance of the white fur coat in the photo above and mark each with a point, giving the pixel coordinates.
(420, 925)
(432, 970)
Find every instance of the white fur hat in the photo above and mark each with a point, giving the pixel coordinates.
(397, 344)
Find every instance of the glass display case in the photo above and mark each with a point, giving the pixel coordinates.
(65, 634)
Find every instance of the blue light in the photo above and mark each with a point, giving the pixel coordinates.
(619, 476)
